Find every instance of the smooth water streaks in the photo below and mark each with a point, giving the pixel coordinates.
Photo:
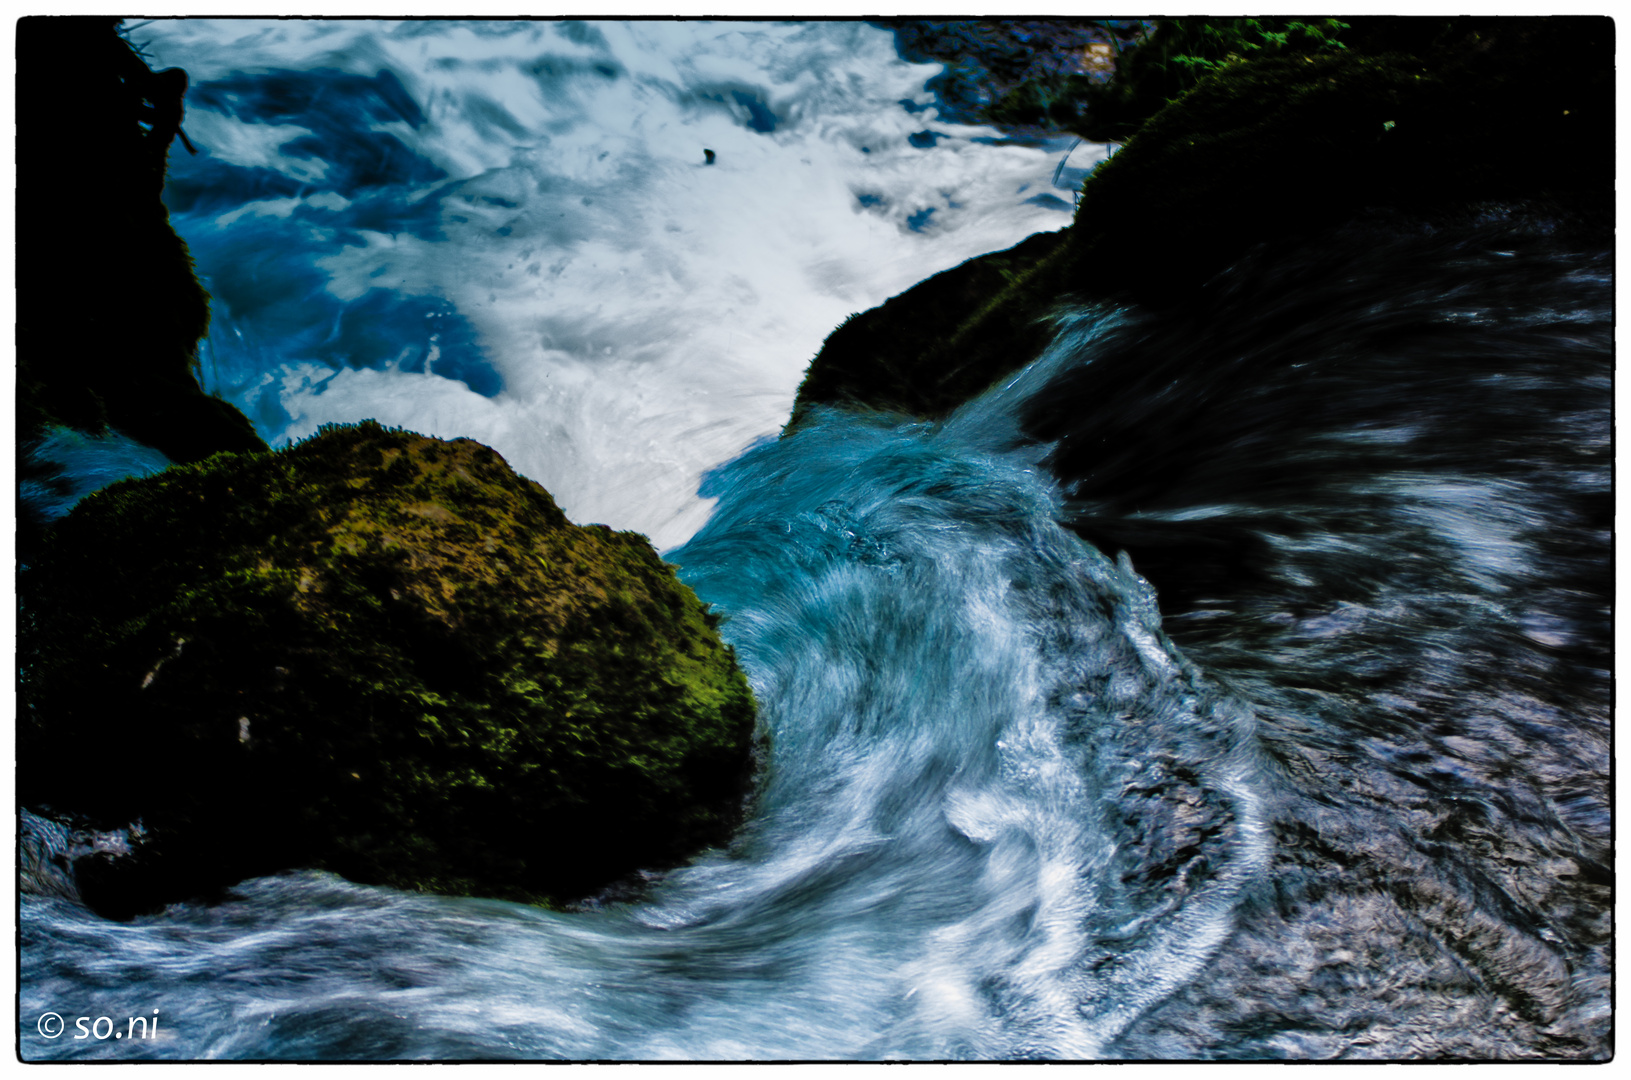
(1000, 815)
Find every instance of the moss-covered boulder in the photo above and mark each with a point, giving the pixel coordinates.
(380, 654)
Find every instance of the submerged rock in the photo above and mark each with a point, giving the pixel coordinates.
(379, 654)
(46, 852)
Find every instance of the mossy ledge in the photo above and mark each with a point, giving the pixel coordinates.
(1416, 119)
(379, 654)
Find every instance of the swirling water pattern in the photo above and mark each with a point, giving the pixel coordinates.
(997, 816)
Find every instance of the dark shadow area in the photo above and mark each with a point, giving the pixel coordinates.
(109, 310)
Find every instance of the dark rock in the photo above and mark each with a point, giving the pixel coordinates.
(379, 654)
(70, 859)
(109, 311)
(1370, 478)
(1282, 148)
(1009, 71)
(874, 359)
(1270, 151)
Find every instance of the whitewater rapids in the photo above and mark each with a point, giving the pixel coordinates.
(998, 816)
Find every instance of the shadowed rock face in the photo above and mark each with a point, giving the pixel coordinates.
(109, 313)
(379, 654)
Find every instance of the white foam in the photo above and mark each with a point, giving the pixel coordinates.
(651, 315)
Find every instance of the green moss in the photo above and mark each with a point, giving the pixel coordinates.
(1267, 151)
(1154, 69)
(383, 655)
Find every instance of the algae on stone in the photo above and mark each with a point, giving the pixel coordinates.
(380, 654)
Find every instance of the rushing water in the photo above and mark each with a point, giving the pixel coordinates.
(509, 230)
(984, 754)
(1002, 814)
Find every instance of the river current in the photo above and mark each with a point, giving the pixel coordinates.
(1331, 782)
(978, 734)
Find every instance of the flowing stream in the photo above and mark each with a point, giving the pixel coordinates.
(1001, 814)
(510, 231)
(977, 732)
